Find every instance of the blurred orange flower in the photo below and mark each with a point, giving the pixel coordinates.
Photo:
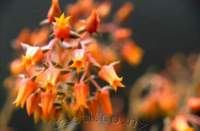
(54, 11)
(132, 53)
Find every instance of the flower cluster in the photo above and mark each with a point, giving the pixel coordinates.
(172, 94)
(64, 69)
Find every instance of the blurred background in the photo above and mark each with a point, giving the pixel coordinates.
(160, 27)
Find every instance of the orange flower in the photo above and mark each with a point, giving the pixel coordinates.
(93, 107)
(149, 107)
(108, 73)
(39, 36)
(194, 104)
(132, 53)
(27, 87)
(33, 55)
(106, 57)
(104, 99)
(81, 93)
(122, 34)
(180, 123)
(104, 9)
(37, 115)
(93, 21)
(86, 6)
(23, 36)
(73, 11)
(54, 11)
(124, 12)
(49, 77)
(47, 102)
(32, 103)
(78, 58)
(16, 67)
(61, 27)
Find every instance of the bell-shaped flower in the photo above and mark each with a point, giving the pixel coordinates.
(105, 102)
(108, 74)
(33, 55)
(47, 102)
(81, 93)
(79, 59)
(32, 103)
(27, 87)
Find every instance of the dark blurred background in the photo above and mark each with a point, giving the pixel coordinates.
(161, 27)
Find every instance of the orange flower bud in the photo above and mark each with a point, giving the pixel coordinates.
(78, 58)
(24, 92)
(93, 22)
(61, 27)
(122, 34)
(54, 11)
(124, 12)
(47, 101)
(132, 53)
(104, 99)
(32, 103)
(108, 73)
(81, 93)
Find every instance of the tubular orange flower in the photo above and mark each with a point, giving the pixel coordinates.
(93, 21)
(54, 11)
(81, 93)
(132, 53)
(47, 102)
(93, 107)
(104, 99)
(61, 27)
(107, 73)
(32, 103)
(78, 58)
(24, 91)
